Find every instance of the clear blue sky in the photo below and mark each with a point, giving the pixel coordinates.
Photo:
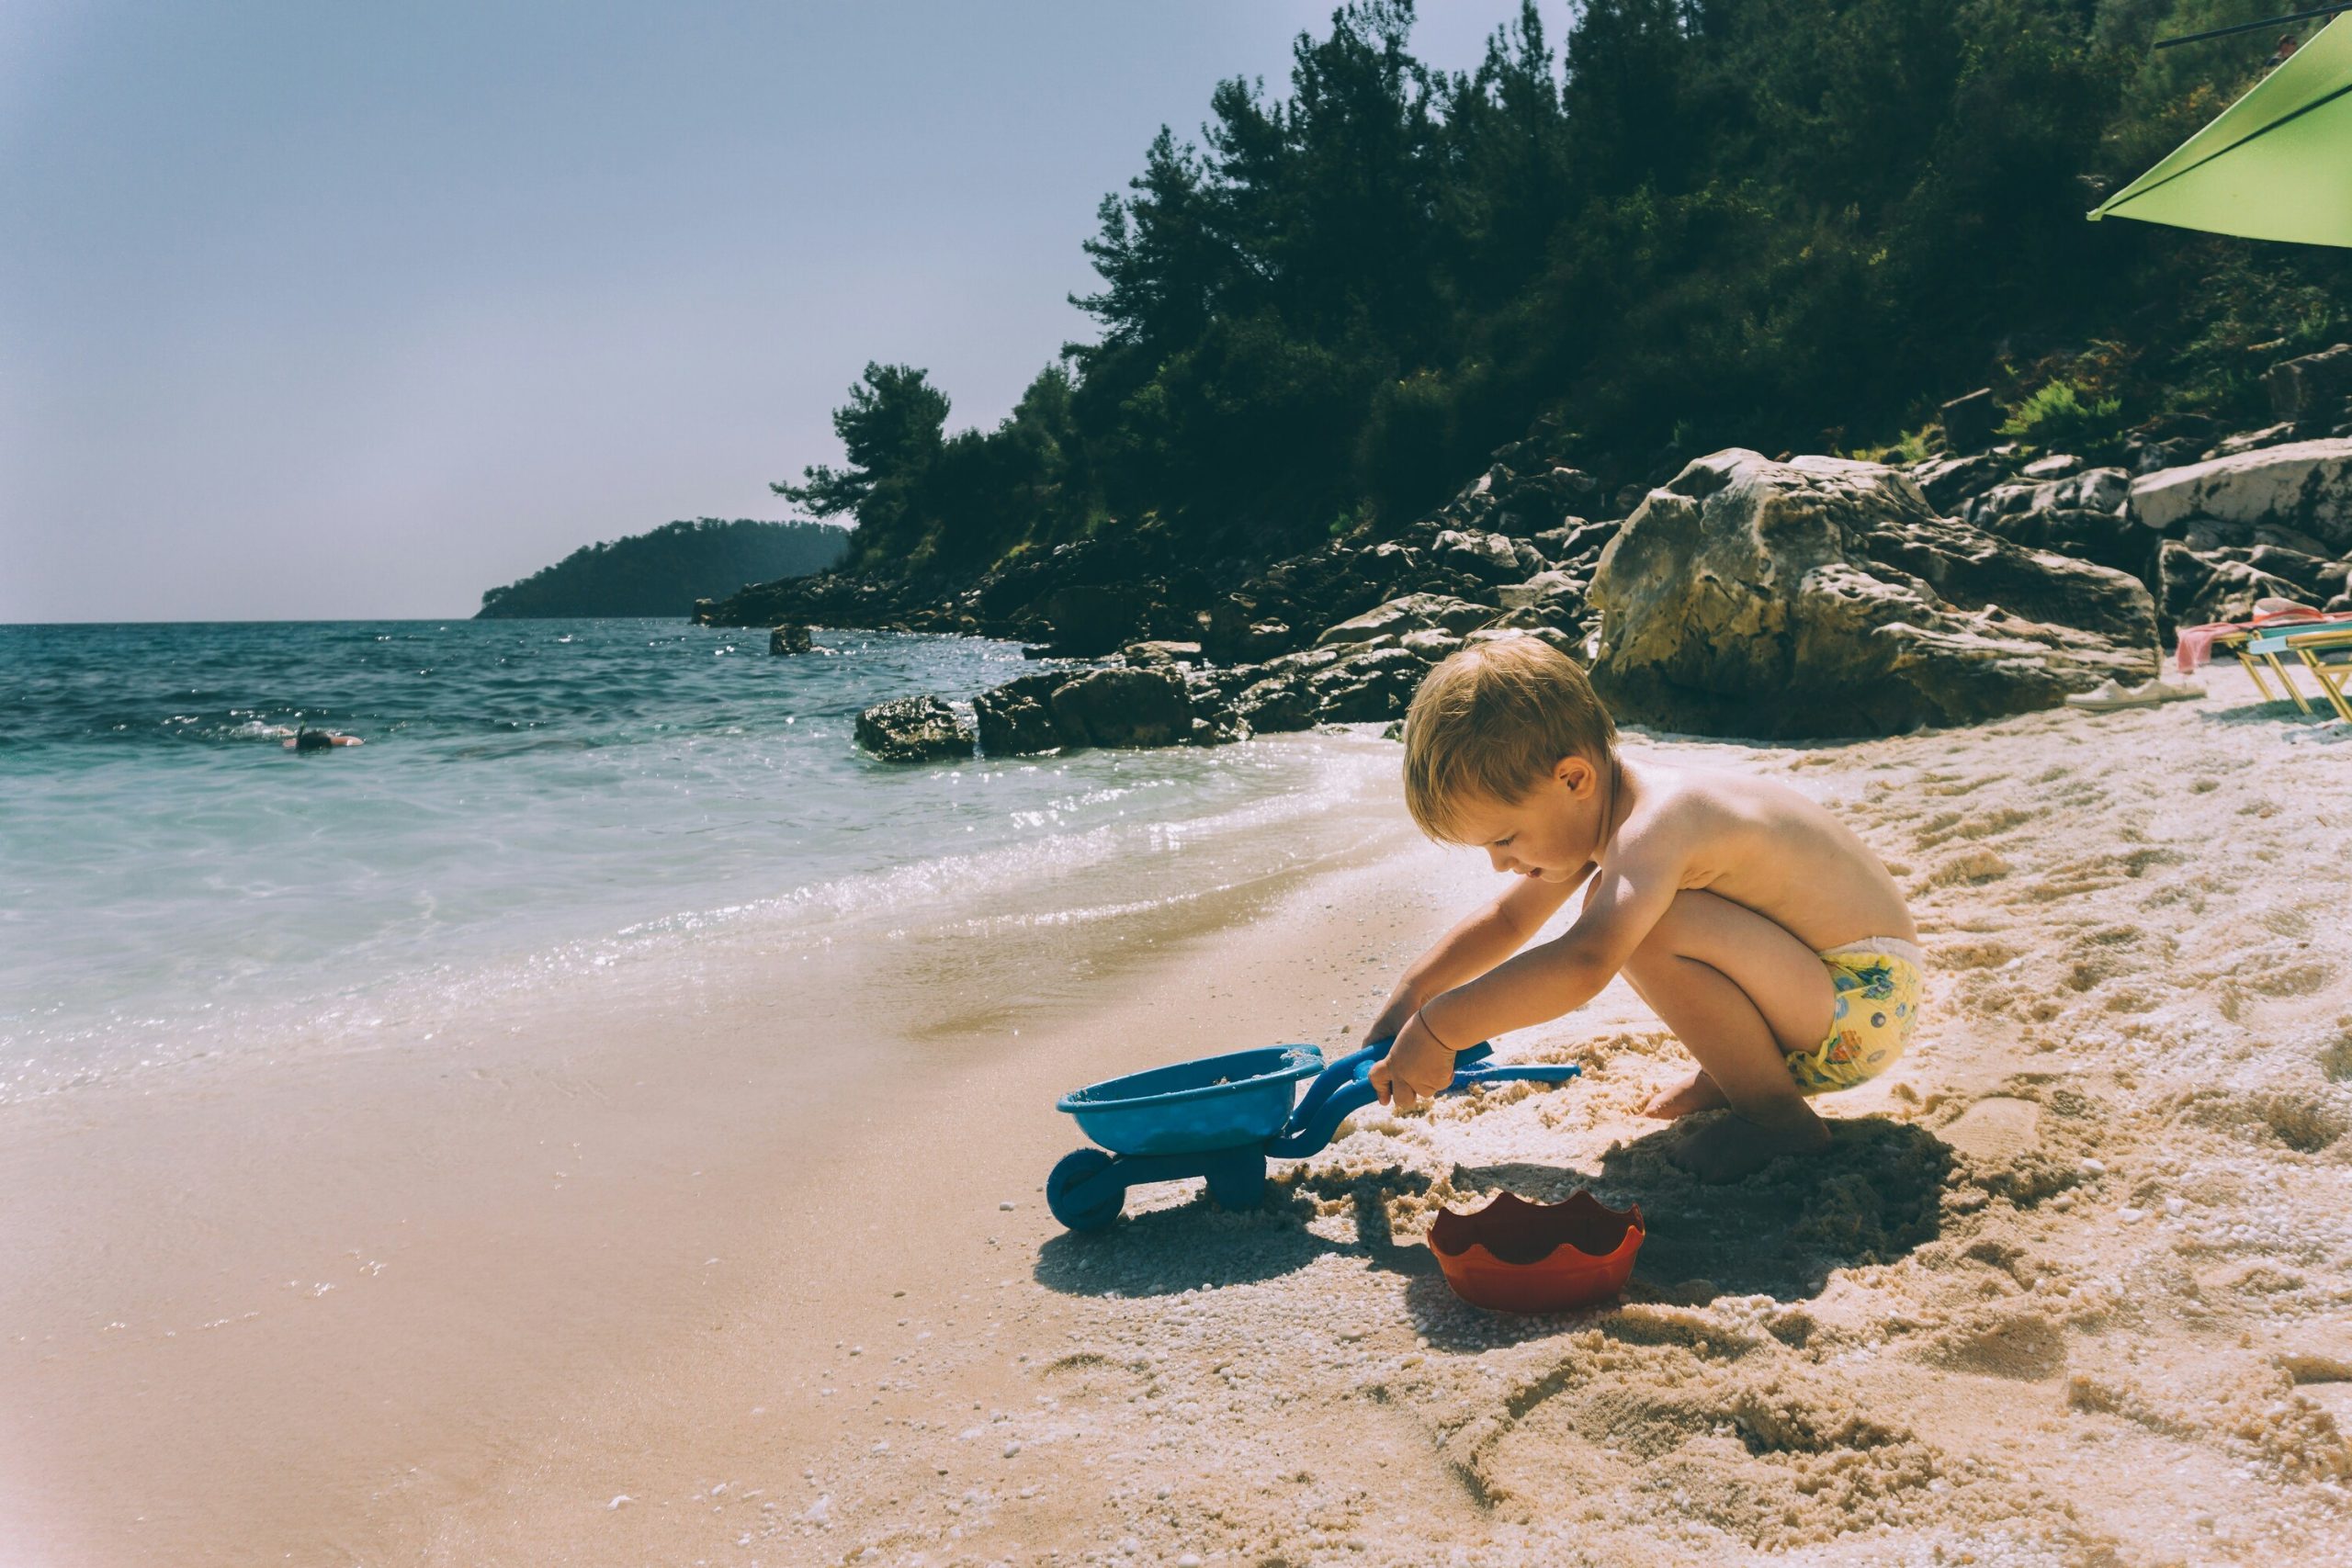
(329, 311)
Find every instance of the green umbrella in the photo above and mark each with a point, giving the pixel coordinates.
(2273, 166)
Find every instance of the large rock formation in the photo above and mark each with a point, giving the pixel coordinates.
(1824, 597)
(1123, 707)
(1115, 707)
(2275, 523)
(1016, 719)
(2305, 486)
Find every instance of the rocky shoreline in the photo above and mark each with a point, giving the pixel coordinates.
(1790, 597)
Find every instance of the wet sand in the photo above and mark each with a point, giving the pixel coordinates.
(2071, 1286)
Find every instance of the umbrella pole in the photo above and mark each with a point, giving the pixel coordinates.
(2251, 27)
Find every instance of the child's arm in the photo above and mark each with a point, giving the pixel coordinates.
(1473, 947)
(1568, 971)
(1540, 984)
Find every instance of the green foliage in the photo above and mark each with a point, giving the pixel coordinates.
(1911, 447)
(663, 572)
(1694, 223)
(2057, 414)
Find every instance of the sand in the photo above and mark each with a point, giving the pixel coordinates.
(2073, 1285)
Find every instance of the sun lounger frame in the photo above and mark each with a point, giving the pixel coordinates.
(2326, 649)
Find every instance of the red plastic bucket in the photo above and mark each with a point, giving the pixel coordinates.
(1514, 1256)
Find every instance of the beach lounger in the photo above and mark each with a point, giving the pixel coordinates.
(2325, 651)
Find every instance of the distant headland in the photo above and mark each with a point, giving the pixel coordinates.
(663, 572)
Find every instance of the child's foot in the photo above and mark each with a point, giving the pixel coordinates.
(1697, 1092)
(1729, 1148)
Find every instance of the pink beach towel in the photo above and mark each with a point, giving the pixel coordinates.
(2196, 646)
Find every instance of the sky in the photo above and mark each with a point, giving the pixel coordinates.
(340, 312)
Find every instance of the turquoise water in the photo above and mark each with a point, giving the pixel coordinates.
(528, 792)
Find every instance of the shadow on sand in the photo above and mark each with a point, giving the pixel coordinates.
(1872, 1197)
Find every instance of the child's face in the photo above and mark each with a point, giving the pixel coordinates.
(1551, 831)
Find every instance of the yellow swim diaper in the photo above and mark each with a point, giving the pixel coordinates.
(1879, 982)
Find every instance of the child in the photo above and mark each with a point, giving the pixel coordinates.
(1764, 934)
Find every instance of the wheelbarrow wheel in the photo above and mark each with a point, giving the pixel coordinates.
(1075, 1170)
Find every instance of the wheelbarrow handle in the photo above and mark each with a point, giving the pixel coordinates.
(1354, 1064)
(1312, 1129)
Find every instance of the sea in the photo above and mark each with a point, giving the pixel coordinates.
(537, 799)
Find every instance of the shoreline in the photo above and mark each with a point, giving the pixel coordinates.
(333, 1264)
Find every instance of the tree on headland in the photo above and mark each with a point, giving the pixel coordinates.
(1692, 224)
(890, 430)
(663, 573)
(917, 496)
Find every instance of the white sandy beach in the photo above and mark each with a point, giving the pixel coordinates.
(2072, 1287)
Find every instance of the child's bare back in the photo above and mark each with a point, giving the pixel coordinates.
(1766, 847)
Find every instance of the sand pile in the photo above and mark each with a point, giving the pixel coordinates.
(2073, 1285)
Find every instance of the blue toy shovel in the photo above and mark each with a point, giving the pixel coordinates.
(1223, 1118)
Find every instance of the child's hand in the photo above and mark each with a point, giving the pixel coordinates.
(1416, 1069)
(1393, 1018)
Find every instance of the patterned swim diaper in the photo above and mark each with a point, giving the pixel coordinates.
(1879, 982)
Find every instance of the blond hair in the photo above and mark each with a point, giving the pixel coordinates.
(1490, 723)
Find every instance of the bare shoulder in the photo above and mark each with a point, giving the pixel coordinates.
(1674, 812)
(1686, 814)
(1741, 799)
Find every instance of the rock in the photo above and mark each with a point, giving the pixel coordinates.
(1277, 703)
(2212, 533)
(1239, 632)
(2302, 485)
(1122, 708)
(2057, 465)
(1824, 597)
(2302, 388)
(1161, 652)
(2216, 571)
(1488, 556)
(2149, 456)
(2106, 538)
(2196, 587)
(1367, 685)
(2252, 440)
(1216, 721)
(1948, 482)
(2094, 489)
(788, 639)
(1091, 619)
(914, 729)
(1412, 612)
(1571, 486)
(1572, 645)
(1391, 562)
(1577, 543)
(1969, 421)
(1553, 588)
(1016, 719)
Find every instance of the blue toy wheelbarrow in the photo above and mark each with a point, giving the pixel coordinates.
(1223, 1118)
